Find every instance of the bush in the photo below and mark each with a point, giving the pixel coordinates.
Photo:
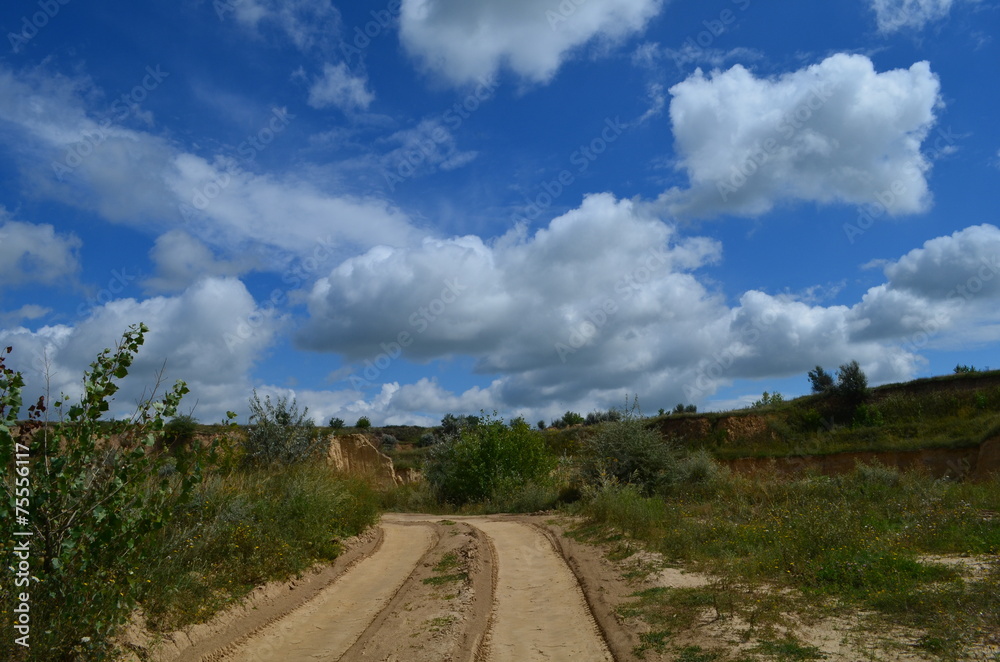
(700, 468)
(279, 433)
(388, 442)
(337, 423)
(427, 439)
(92, 508)
(631, 453)
(475, 464)
(180, 431)
(363, 423)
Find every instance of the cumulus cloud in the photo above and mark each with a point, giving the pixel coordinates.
(895, 15)
(210, 336)
(31, 253)
(608, 299)
(837, 131)
(340, 88)
(180, 260)
(467, 41)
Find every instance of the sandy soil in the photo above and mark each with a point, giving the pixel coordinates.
(466, 589)
(421, 588)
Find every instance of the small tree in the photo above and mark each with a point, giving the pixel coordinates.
(336, 423)
(541, 425)
(691, 409)
(852, 383)
(768, 399)
(821, 380)
(961, 369)
(363, 423)
(92, 507)
(572, 418)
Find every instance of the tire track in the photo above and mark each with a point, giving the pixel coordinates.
(539, 610)
(326, 627)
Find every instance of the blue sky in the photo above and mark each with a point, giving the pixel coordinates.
(401, 209)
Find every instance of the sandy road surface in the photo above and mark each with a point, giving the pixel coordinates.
(469, 589)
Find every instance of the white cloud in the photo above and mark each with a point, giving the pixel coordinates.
(652, 54)
(895, 15)
(309, 24)
(837, 131)
(27, 312)
(195, 336)
(180, 260)
(31, 253)
(467, 41)
(141, 179)
(339, 87)
(607, 300)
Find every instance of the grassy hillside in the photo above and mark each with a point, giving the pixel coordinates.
(956, 411)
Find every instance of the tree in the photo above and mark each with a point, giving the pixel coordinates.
(852, 383)
(541, 425)
(336, 423)
(363, 423)
(965, 369)
(691, 409)
(821, 380)
(93, 505)
(768, 399)
(572, 418)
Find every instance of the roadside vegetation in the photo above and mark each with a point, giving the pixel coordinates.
(140, 518)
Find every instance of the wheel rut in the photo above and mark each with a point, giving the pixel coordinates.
(463, 589)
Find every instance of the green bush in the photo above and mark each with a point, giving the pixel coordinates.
(484, 460)
(630, 452)
(280, 434)
(180, 431)
(363, 423)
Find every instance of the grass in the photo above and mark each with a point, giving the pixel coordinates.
(443, 567)
(856, 540)
(245, 528)
(955, 411)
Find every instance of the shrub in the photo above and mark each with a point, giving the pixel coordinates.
(427, 439)
(363, 423)
(179, 432)
(279, 433)
(572, 418)
(92, 507)
(629, 452)
(476, 463)
(700, 468)
(388, 442)
(336, 423)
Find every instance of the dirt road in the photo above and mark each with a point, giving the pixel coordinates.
(476, 589)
